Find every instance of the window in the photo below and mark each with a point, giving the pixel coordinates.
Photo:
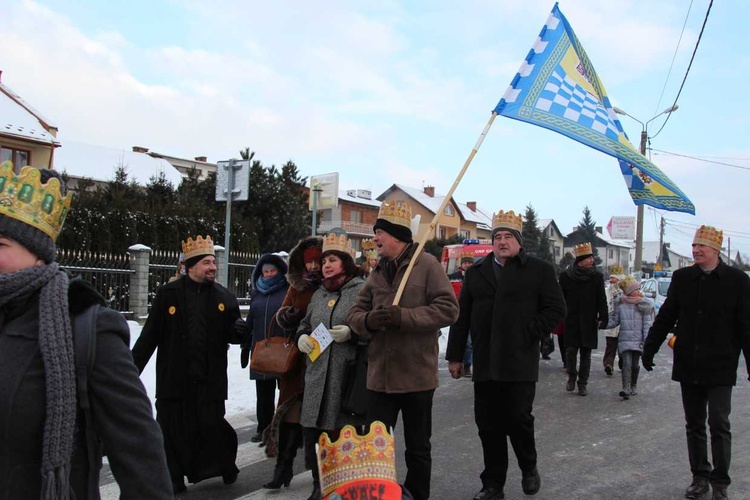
(19, 157)
(355, 216)
(465, 234)
(611, 253)
(558, 251)
(442, 233)
(449, 211)
(326, 215)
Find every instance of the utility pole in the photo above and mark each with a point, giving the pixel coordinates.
(660, 260)
(638, 264)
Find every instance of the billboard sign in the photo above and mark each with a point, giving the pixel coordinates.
(621, 228)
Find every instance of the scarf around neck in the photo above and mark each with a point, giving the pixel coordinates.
(56, 348)
(578, 273)
(270, 285)
(335, 282)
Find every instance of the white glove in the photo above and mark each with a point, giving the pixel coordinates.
(340, 333)
(305, 344)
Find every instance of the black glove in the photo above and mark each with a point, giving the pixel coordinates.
(240, 327)
(602, 325)
(244, 356)
(289, 317)
(395, 321)
(647, 362)
(378, 319)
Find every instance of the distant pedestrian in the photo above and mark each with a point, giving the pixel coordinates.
(457, 281)
(191, 323)
(583, 288)
(709, 302)
(634, 314)
(402, 374)
(610, 334)
(509, 301)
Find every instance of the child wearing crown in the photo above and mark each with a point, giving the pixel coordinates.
(44, 452)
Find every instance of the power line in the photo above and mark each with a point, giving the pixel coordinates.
(701, 159)
(692, 58)
(674, 56)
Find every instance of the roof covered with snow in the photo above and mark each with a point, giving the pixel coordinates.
(19, 119)
(100, 162)
(361, 196)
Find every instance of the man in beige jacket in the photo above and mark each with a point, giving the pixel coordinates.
(403, 353)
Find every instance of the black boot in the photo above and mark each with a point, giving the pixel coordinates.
(317, 493)
(290, 437)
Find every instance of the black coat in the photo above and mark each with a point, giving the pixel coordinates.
(166, 328)
(506, 318)
(712, 313)
(587, 309)
(120, 408)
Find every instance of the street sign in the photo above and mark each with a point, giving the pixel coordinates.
(324, 191)
(240, 179)
(621, 228)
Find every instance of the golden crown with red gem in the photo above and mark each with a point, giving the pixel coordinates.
(582, 249)
(198, 246)
(394, 213)
(353, 464)
(710, 237)
(23, 197)
(507, 220)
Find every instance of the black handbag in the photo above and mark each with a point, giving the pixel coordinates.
(547, 346)
(354, 397)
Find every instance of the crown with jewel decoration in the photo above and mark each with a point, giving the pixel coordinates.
(355, 462)
(198, 246)
(710, 237)
(582, 250)
(23, 197)
(368, 245)
(507, 220)
(337, 240)
(467, 256)
(394, 213)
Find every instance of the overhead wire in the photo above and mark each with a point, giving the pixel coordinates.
(674, 56)
(692, 58)
(700, 159)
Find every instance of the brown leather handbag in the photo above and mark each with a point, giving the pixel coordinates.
(274, 356)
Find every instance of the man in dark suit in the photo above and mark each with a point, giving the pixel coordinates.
(710, 304)
(509, 301)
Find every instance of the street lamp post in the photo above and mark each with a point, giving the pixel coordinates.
(639, 214)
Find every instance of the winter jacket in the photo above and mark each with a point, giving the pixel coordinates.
(261, 318)
(406, 359)
(120, 407)
(506, 317)
(634, 321)
(324, 377)
(712, 313)
(587, 309)
(167, 328)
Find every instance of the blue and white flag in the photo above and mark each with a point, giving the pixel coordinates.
(557, 88)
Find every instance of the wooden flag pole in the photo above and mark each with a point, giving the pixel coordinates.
(438, 213)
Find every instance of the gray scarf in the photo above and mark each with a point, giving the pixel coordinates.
(56, 347)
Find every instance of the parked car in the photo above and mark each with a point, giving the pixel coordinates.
(656, 288)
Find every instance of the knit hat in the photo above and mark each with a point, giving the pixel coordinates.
(267, 267)
(629, 285)
(33, 207)
(311, 254)
(509, 221)
(395, 220)
(196, 249)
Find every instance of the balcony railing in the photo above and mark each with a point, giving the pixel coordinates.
(357, 228)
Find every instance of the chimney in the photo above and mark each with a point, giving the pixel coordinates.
(472, 205)
(204, 159)
(429, 191)
(598, 229)
(139, 149)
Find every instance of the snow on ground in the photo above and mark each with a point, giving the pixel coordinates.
(241, 402)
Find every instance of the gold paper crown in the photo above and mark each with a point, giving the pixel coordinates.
(467, 255)
(198, 246)
(23, 197)
(617, 269)
(353, 458)
(582, 249)
(509, 220)
(395, 214)
(368, 245)
(372, 254)
(709, 236)
(338, 241)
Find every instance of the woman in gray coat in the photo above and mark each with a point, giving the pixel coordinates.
(324, 377)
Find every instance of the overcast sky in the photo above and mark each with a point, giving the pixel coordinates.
(397, 92)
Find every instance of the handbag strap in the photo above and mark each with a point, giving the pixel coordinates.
(271, 325)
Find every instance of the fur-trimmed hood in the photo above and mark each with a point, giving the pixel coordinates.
(296, 263)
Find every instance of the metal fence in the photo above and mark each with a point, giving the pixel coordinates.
(109, 273)
(241, 267)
